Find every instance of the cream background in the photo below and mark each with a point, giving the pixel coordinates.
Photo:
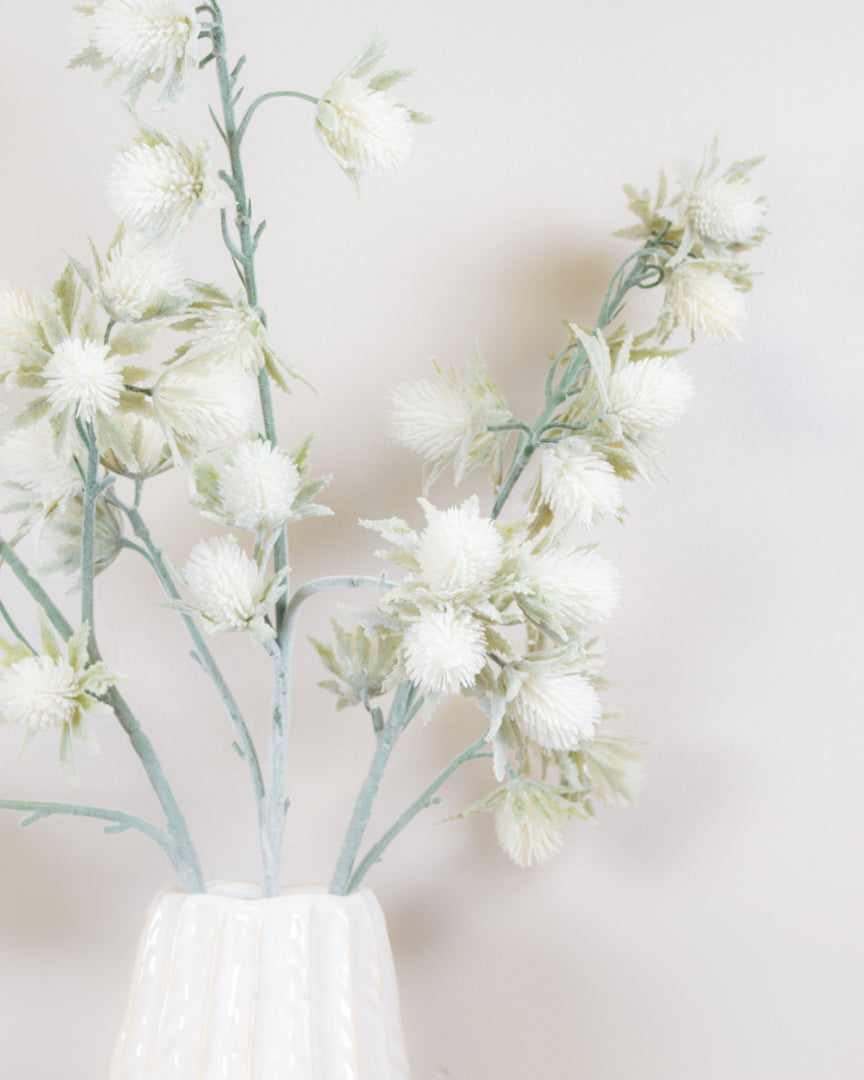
(715, 930)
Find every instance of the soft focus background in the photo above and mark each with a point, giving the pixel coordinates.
(715, 930)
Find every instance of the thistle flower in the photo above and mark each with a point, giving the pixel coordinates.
(362, 127)
(720, 210)
(136, 277)
(58, 537)
(231, 591)
(648, 395)
(447, 420)
(459, 551)
(82, 377)
(444, 650)
(16, 308)
(257, 487)
(230, 333)
(141, 40)
(577, 483)
(707, 298)
(552, 702)
(50, 691)
(575, 588)
(32, 461)
(156, 185)
(204, 404)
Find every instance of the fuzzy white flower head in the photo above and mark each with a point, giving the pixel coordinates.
(39, 692)
(83, 377)
(721, 208)
(259, 486)
(528, 822)
(136, 276)
(577, 483)
(142, 40)
(230, 589)
(444, 651)
(648, 395)
(705, 300)
(429, 417)
(16, 307)
(555, 705)
(32, 460)
(156, 186)
(231, 334)
(459, 550)
(362, 127)
(205, 403)
(578, 587)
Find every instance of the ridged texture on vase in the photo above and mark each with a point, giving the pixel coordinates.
(300, 987)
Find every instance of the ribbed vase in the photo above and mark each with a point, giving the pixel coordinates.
(231, 987)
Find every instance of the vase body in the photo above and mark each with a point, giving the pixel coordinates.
(230, 987)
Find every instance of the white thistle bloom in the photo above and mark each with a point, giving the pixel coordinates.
(39, 692)
(429, 417)
(459, 550)
(81, 375)
(528, 822)
(444, 651)
(258, 488)
(142, 40)
(230, 589)
(31, 460)
(648, 395)
(362, 127)
(135, 276)
(578, 588)
(16, 307)
(577, 483)
(555, 705)
(230, 334)
(205, 403)
(725, 210)
(702, 297)
(157, 188)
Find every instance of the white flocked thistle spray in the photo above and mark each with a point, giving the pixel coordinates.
(496, 599)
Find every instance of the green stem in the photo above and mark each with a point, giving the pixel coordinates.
(403, 709)
(154, 556)
(244, 123)
(88, 530)
(121, 821)
(425, 800)
(10, 622)
(642, 274)
(54, 614)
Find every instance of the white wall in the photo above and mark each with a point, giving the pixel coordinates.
(713, 931)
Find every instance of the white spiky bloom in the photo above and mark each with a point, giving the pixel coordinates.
(528, 822)
(205, 403)
(555, 705)
(725, 210)
(16, 307)
(142, 40)
(157, 188)
(39, 692)
(32, 460)
(578, 587)
(81, 375)
(230, 589)
(648, 395)
(364, 129)
(444, 650)
(429, 417)
(459, 550)
(577, 483)
(702, 297)
(258, 488)
(232, 335)
(135, 276)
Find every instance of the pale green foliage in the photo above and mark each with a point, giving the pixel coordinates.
(362, 662)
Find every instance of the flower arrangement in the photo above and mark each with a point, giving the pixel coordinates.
(497, 599)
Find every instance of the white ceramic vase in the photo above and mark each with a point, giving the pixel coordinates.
(228, 986)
